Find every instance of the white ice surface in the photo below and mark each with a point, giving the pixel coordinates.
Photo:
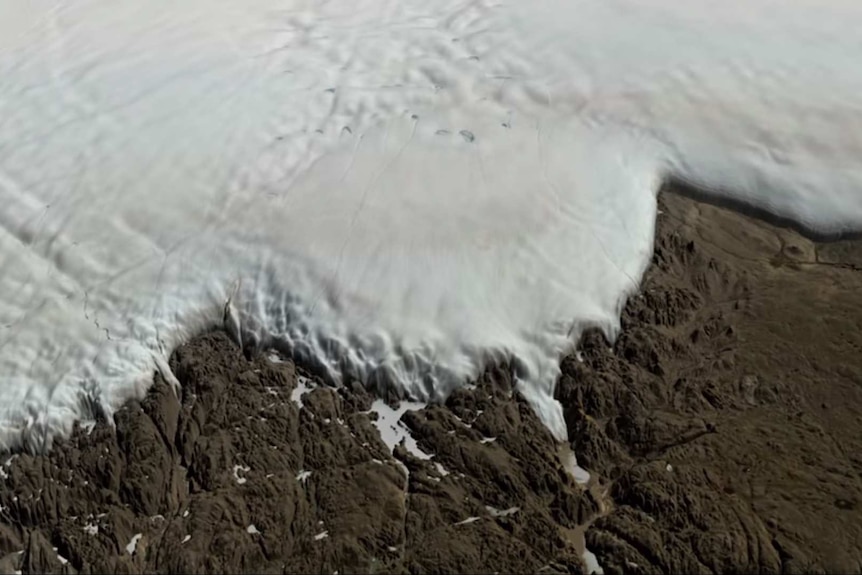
(303, 386)
(133, 544)
(398, 190)
(392, 431)
(504, 513)
(239, 472)
(570, 464)
(592, 563)
(468, 521)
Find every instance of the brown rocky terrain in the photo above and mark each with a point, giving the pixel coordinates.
(232, 476)
(726, 419)
(723, 430)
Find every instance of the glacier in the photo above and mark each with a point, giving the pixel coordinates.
(396, 192)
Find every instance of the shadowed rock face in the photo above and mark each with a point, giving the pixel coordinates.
(722, 430)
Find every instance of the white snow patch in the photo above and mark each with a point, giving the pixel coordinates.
(486, 440)
(592, 563)
(133, 544)
(392, 431)
(502, 513)
(461, 421)
(238, 471)
(669, 468)
(91, 528)
(186, 539)
(570, 463)
(468, 521)
(303, 476)
(321, 535)
(252, 530)
(303, 386)
(440, 469)
(7, 464)
(389, 208)
(186, 512)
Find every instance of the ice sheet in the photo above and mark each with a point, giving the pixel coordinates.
(399, 191)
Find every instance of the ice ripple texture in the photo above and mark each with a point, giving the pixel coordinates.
(397, 192)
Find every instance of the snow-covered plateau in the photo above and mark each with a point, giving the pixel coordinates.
(396, 191)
